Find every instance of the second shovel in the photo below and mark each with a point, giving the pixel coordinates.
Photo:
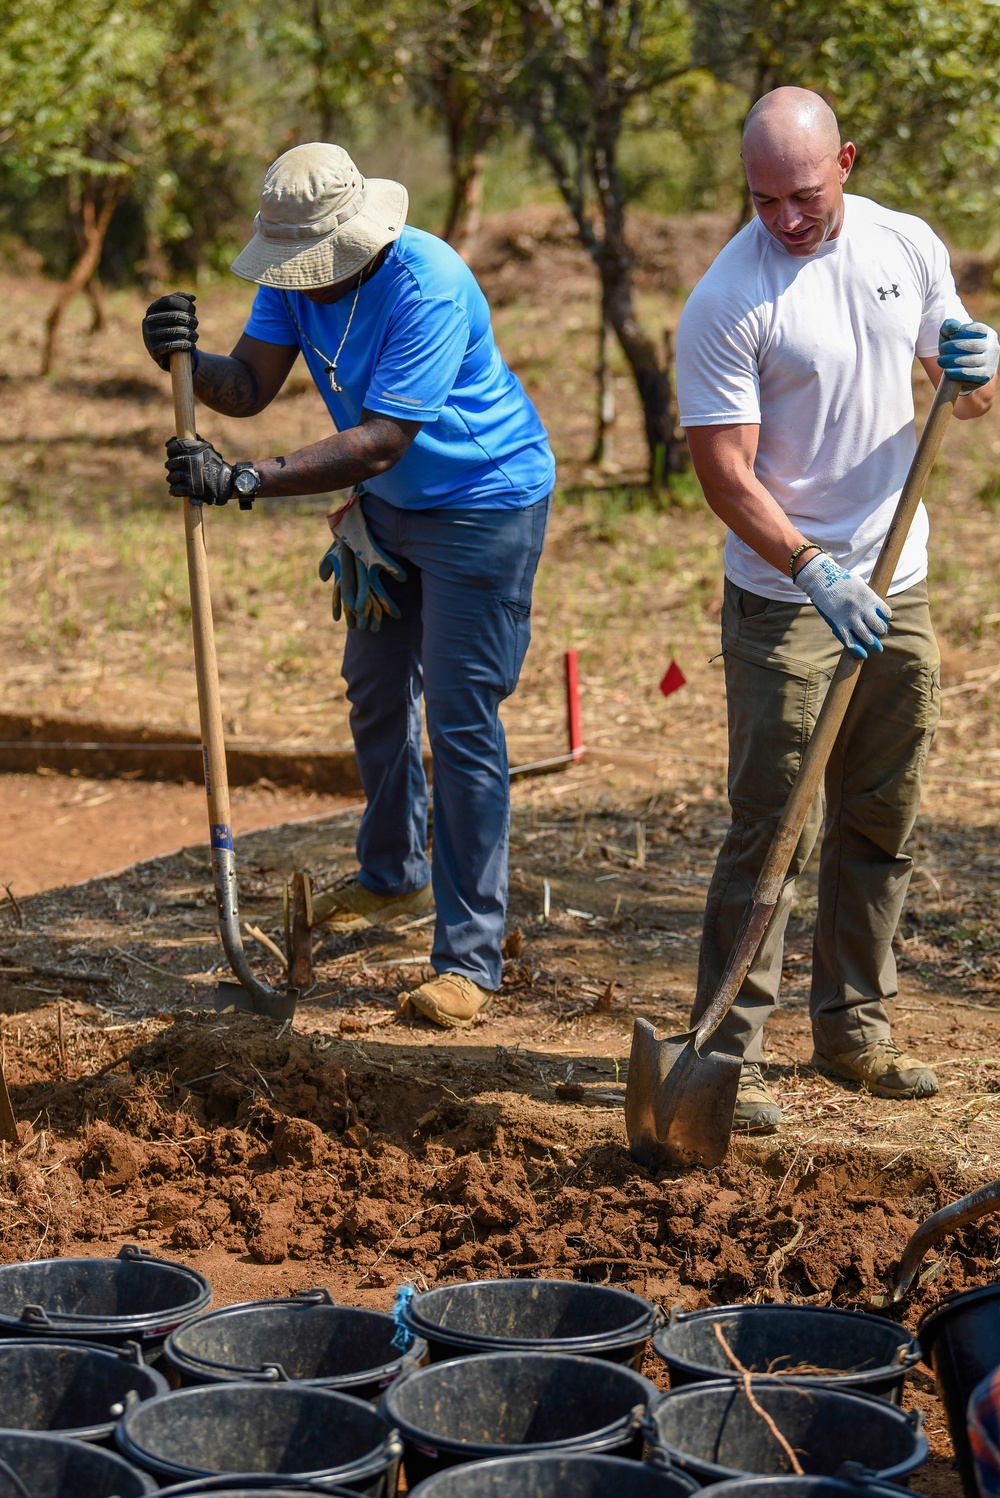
(679, 1101)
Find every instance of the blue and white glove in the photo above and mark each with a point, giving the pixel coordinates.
(969, 352)
(855, 613)
(356, 564)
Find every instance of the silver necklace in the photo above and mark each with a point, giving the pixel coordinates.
(329, 365)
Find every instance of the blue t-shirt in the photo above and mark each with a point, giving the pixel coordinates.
(420, 346)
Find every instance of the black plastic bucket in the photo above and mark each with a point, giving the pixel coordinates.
(556, 1475)
(288, 1431)
(77, 1389)
(504, 1403)
(961, 1341)
(854, 1349)
(712, 1431)
(306, 1338)
(532, 1315)
(131, 1298)
(50, 1466)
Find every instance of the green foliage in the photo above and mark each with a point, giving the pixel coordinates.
(916, 86)
(182, 103)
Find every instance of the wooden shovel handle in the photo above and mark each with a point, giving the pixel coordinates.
(828, 725)
(264, 999)
(205, 660)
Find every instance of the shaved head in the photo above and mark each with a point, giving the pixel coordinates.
(796, 167)
(788, 122)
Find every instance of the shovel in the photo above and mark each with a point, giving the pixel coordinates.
(930, 1232)
(679, 1103)
(249, 993)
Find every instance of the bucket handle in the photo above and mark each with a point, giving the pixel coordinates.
(320, 1296)
(35, 1315)
(12, 1477)
(657, 1458)
(131, 1352)
(126, 1405)
(677, 1313)
(130, 1252)
(648, 1433)
(274, 1373)
(865, 1479)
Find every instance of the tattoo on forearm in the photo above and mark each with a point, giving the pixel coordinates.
(348, 458)
(227, 385)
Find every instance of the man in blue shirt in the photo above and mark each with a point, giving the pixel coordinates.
(435, 550)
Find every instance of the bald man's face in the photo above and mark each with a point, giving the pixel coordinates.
(799, 197)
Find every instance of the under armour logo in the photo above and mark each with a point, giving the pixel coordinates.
(887, 291)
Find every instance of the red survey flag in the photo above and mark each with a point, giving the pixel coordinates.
(674, 679)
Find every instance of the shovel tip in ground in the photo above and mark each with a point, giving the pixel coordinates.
(273, 1004)
(679, 1103)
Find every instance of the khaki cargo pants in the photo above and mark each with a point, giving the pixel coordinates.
(779, 660)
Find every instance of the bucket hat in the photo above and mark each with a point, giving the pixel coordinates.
(319, 220)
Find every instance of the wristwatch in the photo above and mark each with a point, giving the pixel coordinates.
(246, 483)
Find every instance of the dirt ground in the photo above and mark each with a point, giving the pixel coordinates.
(359, 1151)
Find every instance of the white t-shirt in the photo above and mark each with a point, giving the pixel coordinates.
(819, 352)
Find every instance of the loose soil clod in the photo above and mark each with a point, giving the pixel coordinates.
(300, 1147)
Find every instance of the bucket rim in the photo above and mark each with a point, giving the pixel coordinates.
(638, 1329)
(44, 1323)
(102, 1452)
(861, 1487)
(606, 1434)
(185, 1360)
(261, 1482)
(685, 1461)
(933, 1319)
(381, 1456)
(123, 1356)
(845, 1378)
(519, 1459)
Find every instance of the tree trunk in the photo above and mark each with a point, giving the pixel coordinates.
(96, 220)
(652, 380)
(651, 376)
(606, 412)
(465, 202)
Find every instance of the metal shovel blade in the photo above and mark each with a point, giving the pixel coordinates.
(274, 1005)
(679, 1104)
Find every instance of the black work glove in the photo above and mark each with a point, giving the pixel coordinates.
(170, 327)
(197, 472)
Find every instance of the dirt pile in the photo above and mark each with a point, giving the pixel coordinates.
(290, 1146)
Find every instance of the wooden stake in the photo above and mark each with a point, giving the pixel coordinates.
(300, 968)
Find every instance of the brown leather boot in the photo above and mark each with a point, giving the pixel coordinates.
(880, 1066)
(450, 1000)
(353, 905)
(756, 1110)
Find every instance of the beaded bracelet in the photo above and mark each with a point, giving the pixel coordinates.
(806, 546)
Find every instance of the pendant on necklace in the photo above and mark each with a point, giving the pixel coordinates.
(331, 373)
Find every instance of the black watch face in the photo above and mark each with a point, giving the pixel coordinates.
(245, 481)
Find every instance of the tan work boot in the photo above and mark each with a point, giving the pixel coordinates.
(353, 905)
(450, 1000)
(882, 1067)
(756, 1110)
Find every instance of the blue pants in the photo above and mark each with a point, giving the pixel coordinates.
(460, 642)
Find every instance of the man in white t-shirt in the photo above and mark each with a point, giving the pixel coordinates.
(794, 375)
